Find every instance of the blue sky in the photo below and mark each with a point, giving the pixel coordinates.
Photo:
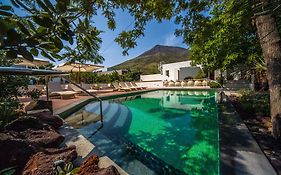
(155, 33)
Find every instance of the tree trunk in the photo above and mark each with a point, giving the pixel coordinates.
(271, 46)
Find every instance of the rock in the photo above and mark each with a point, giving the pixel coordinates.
(48, 118)
(42, 162)
(24, 123)
(42, 138)
(90, 166)
(14, 151)
(35, 132)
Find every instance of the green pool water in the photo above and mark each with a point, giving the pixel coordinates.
(180, 128)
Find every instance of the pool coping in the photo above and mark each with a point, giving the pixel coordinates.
(237, 156)
(69, 109)
(240, 154)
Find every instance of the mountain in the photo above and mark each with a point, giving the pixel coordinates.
(148, 61)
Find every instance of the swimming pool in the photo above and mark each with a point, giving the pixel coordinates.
(158, 132)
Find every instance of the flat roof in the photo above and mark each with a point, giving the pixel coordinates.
(27, 71)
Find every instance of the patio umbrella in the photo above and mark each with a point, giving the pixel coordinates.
(26, 63)
(35, 63)
(77, 67)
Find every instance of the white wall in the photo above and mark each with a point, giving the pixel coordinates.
(173, 69)
(152, 77)
(155, 84)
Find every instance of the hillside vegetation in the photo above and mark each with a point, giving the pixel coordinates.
(148, 62)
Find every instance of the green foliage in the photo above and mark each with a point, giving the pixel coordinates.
(67, 169)
(9, 92)
(255, 103)
(200, 75)
(92, 78)
(220, 34)
(34, 94)
(214, 84)
(8, 171)
(48, 27)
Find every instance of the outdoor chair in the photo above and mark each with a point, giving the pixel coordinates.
(102, 89)
(56, 89)
(129, 85)
(78, 90)
(123, 85)
(135, 85)
(119, 88)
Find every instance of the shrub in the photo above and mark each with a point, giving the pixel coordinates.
(214, 84)
(9, 92)
(34, 94)
(255, 103)
(200, 74)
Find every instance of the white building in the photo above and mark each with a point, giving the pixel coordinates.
(173, 71)
(108, 71)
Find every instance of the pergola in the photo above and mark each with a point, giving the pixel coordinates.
(33, 72)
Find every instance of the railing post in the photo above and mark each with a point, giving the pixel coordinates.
(101, 115)
(47, 86)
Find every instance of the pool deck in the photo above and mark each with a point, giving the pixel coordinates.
(239, 152)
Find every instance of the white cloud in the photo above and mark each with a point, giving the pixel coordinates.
(172, 40)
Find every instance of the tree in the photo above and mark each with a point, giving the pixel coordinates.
(266, 21)
(233, 39)
(223, 36)
(49, 27)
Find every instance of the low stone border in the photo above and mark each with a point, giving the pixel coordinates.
(239, 152)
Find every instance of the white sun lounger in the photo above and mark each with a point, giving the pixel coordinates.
(119, 88)
(56, 89)
(131, 86)
(135, 85)
(76, 89)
